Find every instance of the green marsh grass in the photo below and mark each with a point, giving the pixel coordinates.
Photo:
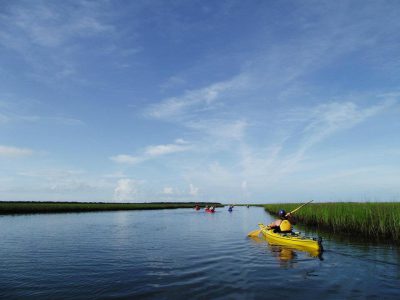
(61, 207)
(375, 220)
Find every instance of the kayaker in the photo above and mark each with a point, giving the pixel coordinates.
(284, 224)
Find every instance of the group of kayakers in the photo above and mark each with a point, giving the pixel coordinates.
(211, 208)
(208, 208)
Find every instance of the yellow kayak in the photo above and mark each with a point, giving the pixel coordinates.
(291, 239)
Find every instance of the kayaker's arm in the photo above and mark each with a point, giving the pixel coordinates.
(291, 218)
(275, 224)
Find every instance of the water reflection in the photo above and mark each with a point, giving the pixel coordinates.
(287, 255)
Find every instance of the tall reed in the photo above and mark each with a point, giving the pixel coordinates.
(377, 220)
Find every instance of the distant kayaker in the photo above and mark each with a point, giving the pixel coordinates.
(284, 224)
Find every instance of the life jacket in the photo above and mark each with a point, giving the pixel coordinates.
(285, 226)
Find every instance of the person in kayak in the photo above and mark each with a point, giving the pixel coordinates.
(284, 224)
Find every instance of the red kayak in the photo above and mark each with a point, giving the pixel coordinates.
(210, 211)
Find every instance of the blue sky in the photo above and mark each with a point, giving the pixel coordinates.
(229, 101)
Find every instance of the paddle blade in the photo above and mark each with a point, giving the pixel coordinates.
(254, 233)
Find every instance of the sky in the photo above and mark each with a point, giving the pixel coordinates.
(228, 101)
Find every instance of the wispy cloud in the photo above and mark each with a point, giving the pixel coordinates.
(268, 168)
(51, 173)
(43, 31)
(318, 124)
(58, 184)
(327, 119)
(152, 152)
(192, 101)
(221, 129)
(19, 118)
(48, 25)
(14, 152)
(173, 82)
(15, 110)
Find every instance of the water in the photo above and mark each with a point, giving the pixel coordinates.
(181, 254)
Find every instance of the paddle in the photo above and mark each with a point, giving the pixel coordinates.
(256, 232)
(296, 209)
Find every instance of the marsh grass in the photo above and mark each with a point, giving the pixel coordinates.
(375, 220)
(62, 207)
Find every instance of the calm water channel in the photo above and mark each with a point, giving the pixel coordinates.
(181, 254)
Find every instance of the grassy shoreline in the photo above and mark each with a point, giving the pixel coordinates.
(373, 220)
(25, 207)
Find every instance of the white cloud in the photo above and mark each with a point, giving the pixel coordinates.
(7, 151)
(158, 150)
(126, 190)
(168, 190)
(151, 152)
(193, 190)
(181, 141)
(126, 159)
